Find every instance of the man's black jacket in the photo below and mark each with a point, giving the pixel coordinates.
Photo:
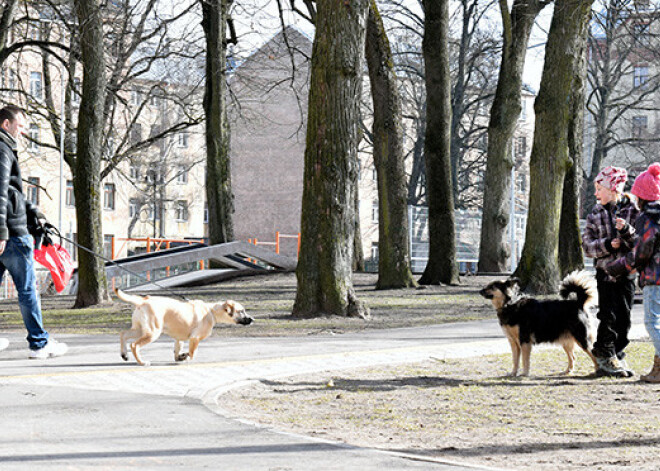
(15, 212)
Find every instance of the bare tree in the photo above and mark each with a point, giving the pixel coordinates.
(92, 282)
(441, 266)
(328, 220)
(538, 269)
(623, 49)
(218, 174)
(393, 258)
(517, 25)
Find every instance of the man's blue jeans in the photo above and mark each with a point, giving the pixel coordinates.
(18, 259)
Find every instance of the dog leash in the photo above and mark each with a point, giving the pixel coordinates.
(49, 229)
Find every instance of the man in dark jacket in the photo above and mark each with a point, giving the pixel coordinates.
(16, 243)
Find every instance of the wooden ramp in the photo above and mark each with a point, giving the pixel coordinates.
(236, 259)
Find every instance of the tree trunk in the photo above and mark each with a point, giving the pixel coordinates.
(441, 266)
(6, 20)
(570, 241)
(393, 247)
(324, 275)
(358, 252)
(494, 249)
(598, 155)
(218, 173)
(539, 266)
(92, 282)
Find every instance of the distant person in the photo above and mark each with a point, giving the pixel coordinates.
(16, 243)
(608, 235)
(645, 258)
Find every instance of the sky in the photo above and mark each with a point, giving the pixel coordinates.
(257, 22)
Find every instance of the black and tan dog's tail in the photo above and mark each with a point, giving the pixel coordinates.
(583, 284)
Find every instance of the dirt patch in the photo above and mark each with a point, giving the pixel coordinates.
(465, 410)
(269, 299)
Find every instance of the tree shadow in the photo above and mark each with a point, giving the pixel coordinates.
(529, 448)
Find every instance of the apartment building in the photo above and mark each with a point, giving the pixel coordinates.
(157, 187)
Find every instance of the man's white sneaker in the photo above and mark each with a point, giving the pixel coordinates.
(52, 349)
(4, 343)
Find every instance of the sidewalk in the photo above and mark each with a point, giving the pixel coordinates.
(90, 408)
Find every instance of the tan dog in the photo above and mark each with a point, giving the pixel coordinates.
(190, 321)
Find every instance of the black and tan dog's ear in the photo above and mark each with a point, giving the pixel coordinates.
(513, 282)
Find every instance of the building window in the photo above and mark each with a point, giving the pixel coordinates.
(182, 175)
(107, 246)
(523, 110)
(374, 212)
(109, 196)
(36, 87)
(33, 138)
(151, 214)
(69, 199)
(639, 127)
(374, 251)
(183, 140)
(134, 172)
(136, 97)
(206, 213)
(483, 142)
(521, 147)
(133, 208)
(136, 133)
(70, 246)
(76, 92)
(33, 190)
(153, 176)
(181, 208)
(9, 80)
(521, 180)
(640, 76)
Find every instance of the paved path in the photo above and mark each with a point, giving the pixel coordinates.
(89, 409)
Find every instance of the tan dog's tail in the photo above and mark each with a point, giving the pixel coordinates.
(129, 298)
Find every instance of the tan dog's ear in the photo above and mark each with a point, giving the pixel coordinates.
(229, 308)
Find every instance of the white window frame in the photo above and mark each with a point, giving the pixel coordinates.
(70, 197)
(109, 195)
(32, 193)
(35, 135)
(36, 86)
(641, 76)
(181, 209)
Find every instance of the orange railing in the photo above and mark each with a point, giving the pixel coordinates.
(278, 239)
(155, 241)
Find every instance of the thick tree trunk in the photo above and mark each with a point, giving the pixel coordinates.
(494, 249)
(324, 275)
(570, 241)
(218, 173)
(393, 247)
(441, 266)
(539, 266)
(92, 282)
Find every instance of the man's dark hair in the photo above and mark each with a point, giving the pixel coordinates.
(10, 112)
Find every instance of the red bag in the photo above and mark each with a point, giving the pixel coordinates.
(58, 261)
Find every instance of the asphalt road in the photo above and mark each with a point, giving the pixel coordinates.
(89, 409)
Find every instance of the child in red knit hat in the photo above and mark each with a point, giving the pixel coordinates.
(645, 258)
(609, 234)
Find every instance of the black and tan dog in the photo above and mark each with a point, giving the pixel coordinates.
(527, 321)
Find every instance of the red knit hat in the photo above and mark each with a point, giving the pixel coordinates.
(612, 178)
(647, 185)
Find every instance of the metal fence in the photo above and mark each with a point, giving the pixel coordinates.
(468, 237)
